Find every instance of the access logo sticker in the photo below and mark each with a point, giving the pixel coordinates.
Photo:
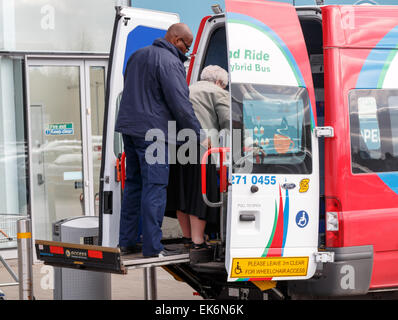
(76, 254)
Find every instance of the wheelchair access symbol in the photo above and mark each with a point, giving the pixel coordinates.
(302, 219)
(238, 269)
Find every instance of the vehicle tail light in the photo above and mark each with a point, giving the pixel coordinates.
(334, 223)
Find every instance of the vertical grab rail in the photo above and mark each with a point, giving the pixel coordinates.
(223, 175)
(123, 169)
(223, 183)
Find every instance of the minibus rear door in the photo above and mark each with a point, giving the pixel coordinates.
(273, 197)
(134, 28)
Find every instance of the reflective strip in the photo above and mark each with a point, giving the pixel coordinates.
(56, 250)
(24, 235)
(95, 254)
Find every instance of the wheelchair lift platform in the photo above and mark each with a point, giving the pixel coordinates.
(106, 259)
(103, 259)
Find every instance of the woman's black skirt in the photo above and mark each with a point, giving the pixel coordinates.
(184, 192)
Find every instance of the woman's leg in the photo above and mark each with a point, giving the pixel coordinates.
(197, 229)
(185, 224)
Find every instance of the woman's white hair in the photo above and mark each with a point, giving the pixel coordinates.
(214, 73)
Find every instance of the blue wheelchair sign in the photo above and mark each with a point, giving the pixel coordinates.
(302, 219)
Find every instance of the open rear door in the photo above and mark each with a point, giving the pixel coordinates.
(272, 227)
(134, 28)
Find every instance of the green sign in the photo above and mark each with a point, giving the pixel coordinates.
(56, 129)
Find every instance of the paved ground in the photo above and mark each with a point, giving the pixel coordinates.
(124, 287)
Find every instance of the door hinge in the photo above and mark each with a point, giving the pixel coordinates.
(324, 257)
(106, 179)
(126, 20)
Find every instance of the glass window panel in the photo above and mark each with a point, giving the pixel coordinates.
(369, 126)
(273, 119)
(271, 129)
(216, 50)
(374, 133)
(357, 2)
(393, 107)
(97, 99)
(57, 25)
(13, 150)
(56, 137)
(118, 140)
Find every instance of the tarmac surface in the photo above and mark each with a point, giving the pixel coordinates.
(124, 287)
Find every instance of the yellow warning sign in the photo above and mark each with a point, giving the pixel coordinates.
(269, 267)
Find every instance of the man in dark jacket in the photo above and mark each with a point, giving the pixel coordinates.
(155, 93)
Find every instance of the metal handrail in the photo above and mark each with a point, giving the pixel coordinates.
(222, 152)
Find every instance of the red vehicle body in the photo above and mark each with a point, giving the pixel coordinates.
(353, 59)
(358, 45)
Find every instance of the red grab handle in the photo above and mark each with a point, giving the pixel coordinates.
(123, 169)
(223, 173)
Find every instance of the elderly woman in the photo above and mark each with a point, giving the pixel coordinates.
(211, 103)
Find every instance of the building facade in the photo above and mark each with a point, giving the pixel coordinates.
(53, 64)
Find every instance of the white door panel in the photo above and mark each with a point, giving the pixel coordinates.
(134, 28)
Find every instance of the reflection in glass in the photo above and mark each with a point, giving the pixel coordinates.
(275, 126)
(277, 123)
(374, 133)
(393, 107)
(58, 25)
(57, 164)
(117, 138)
(97, 98)
(13, 150)
(369, 127)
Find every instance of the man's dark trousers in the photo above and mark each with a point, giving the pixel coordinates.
(145, 195)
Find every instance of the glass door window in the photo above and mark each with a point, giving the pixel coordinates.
(96, 103)
(65, 107)
(13, 155)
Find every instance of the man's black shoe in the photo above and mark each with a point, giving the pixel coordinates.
(130, 250)
(166, 253)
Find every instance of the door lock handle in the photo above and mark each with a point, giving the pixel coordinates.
(254, 189)
(40, 179)
(247, 217)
